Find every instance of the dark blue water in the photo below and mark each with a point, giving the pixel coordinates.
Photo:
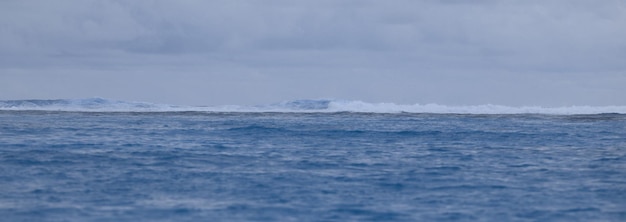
(195, 166)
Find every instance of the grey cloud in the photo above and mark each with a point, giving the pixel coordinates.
(405, 49)
(190, 26)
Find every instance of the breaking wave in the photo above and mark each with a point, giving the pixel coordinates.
(321, 106)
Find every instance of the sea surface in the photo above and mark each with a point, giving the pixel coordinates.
(310, 166)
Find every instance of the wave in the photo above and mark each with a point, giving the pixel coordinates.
(304, 106)
(90, 104)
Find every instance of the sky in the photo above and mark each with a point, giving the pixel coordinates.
(243, 52)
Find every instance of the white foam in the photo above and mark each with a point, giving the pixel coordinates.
(477, 109)
(319, 106)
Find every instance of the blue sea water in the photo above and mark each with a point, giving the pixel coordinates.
(310, 166)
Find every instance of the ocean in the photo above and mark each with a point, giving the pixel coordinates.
(309, 160)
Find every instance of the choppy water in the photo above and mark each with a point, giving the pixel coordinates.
(201, 166)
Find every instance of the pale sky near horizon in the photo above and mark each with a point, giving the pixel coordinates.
(219, 52)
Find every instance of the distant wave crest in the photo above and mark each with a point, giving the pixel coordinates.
(90, 104)
(323, 105)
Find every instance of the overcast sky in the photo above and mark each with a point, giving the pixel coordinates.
(217, 52)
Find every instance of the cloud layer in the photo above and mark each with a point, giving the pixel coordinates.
(551, 53)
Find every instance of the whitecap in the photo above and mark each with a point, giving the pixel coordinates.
(297, 106)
